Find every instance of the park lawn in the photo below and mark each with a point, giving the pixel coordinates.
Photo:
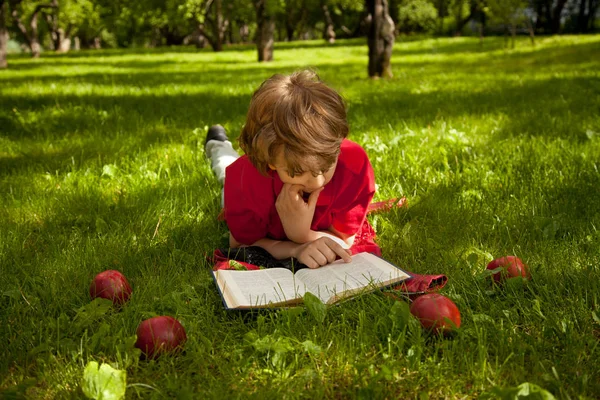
(497, 151)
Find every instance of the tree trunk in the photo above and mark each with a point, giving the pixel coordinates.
(56, 33)
(482, 22)
(380, 38)
(228, 37)
(592, 8)
(196, 38)
(302, 24)
(587, 15)
(218, 26)
(202, 32)
(393, 11)
(582, 17)
(34, 41)
(531, 30)
(264, 33)
(461, 22)
(290, 26)
(65, 41)
(31, 35)
(513, 34)
(3, 34)
(328, 32)
(556, 15)
(441, 14)
(548, 12)
(215, 26)
(540, 20)
(244, 32)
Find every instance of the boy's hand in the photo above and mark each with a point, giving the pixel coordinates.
(320, 252)
(295, 214)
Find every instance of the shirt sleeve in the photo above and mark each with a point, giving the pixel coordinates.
(356, 197)
(245, 214)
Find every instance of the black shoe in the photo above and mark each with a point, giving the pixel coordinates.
(216, 132)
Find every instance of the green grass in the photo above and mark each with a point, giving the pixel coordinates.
(498, 152)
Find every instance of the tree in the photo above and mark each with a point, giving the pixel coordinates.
(549, 15)
(85, 19)
(213, 19)
(557, 15)
(265, 30)
(3, 34)
(243, 15)
(417, 16)
(93, 24)
(442, 10)
(464, 11)
(328, 31)
(292, 15)
(30, 34)
(55, 33)
(511, 13)
(216, 24)
(349, 16)
(380, 38)
(586, 15)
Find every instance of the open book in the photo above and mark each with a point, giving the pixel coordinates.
(280, 287)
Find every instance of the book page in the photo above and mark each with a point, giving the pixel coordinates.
(259, 288)
(340, 279)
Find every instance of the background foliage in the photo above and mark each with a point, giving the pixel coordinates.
(150, 23)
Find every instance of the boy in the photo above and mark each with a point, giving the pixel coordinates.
(302, 190)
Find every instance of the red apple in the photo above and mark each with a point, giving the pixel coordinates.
(511, 267)
(111, 285)
(436, 312)
(159, 335)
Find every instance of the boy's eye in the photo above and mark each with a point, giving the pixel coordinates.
(293, 174)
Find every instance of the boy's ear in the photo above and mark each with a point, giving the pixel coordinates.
(271, 166)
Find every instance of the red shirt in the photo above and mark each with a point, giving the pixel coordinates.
(250, 198)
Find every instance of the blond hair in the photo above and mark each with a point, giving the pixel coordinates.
(299, 115)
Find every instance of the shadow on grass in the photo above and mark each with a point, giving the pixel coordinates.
(87, 129)
(214, 74)
(83, 231)
(96, 123)
(84, 112)
(555, 52)
(444, 46)
(554, 107)
(125, 64)
(80, 154)
(563, 54)
(123, 234)
(242, 47)
(314, 44)
(437, 234)
(92, 53)
(100, 122)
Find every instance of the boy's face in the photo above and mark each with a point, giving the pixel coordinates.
(306, 180)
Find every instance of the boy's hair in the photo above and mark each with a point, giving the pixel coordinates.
(299, 115)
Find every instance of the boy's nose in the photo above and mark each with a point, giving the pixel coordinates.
(315, 182)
